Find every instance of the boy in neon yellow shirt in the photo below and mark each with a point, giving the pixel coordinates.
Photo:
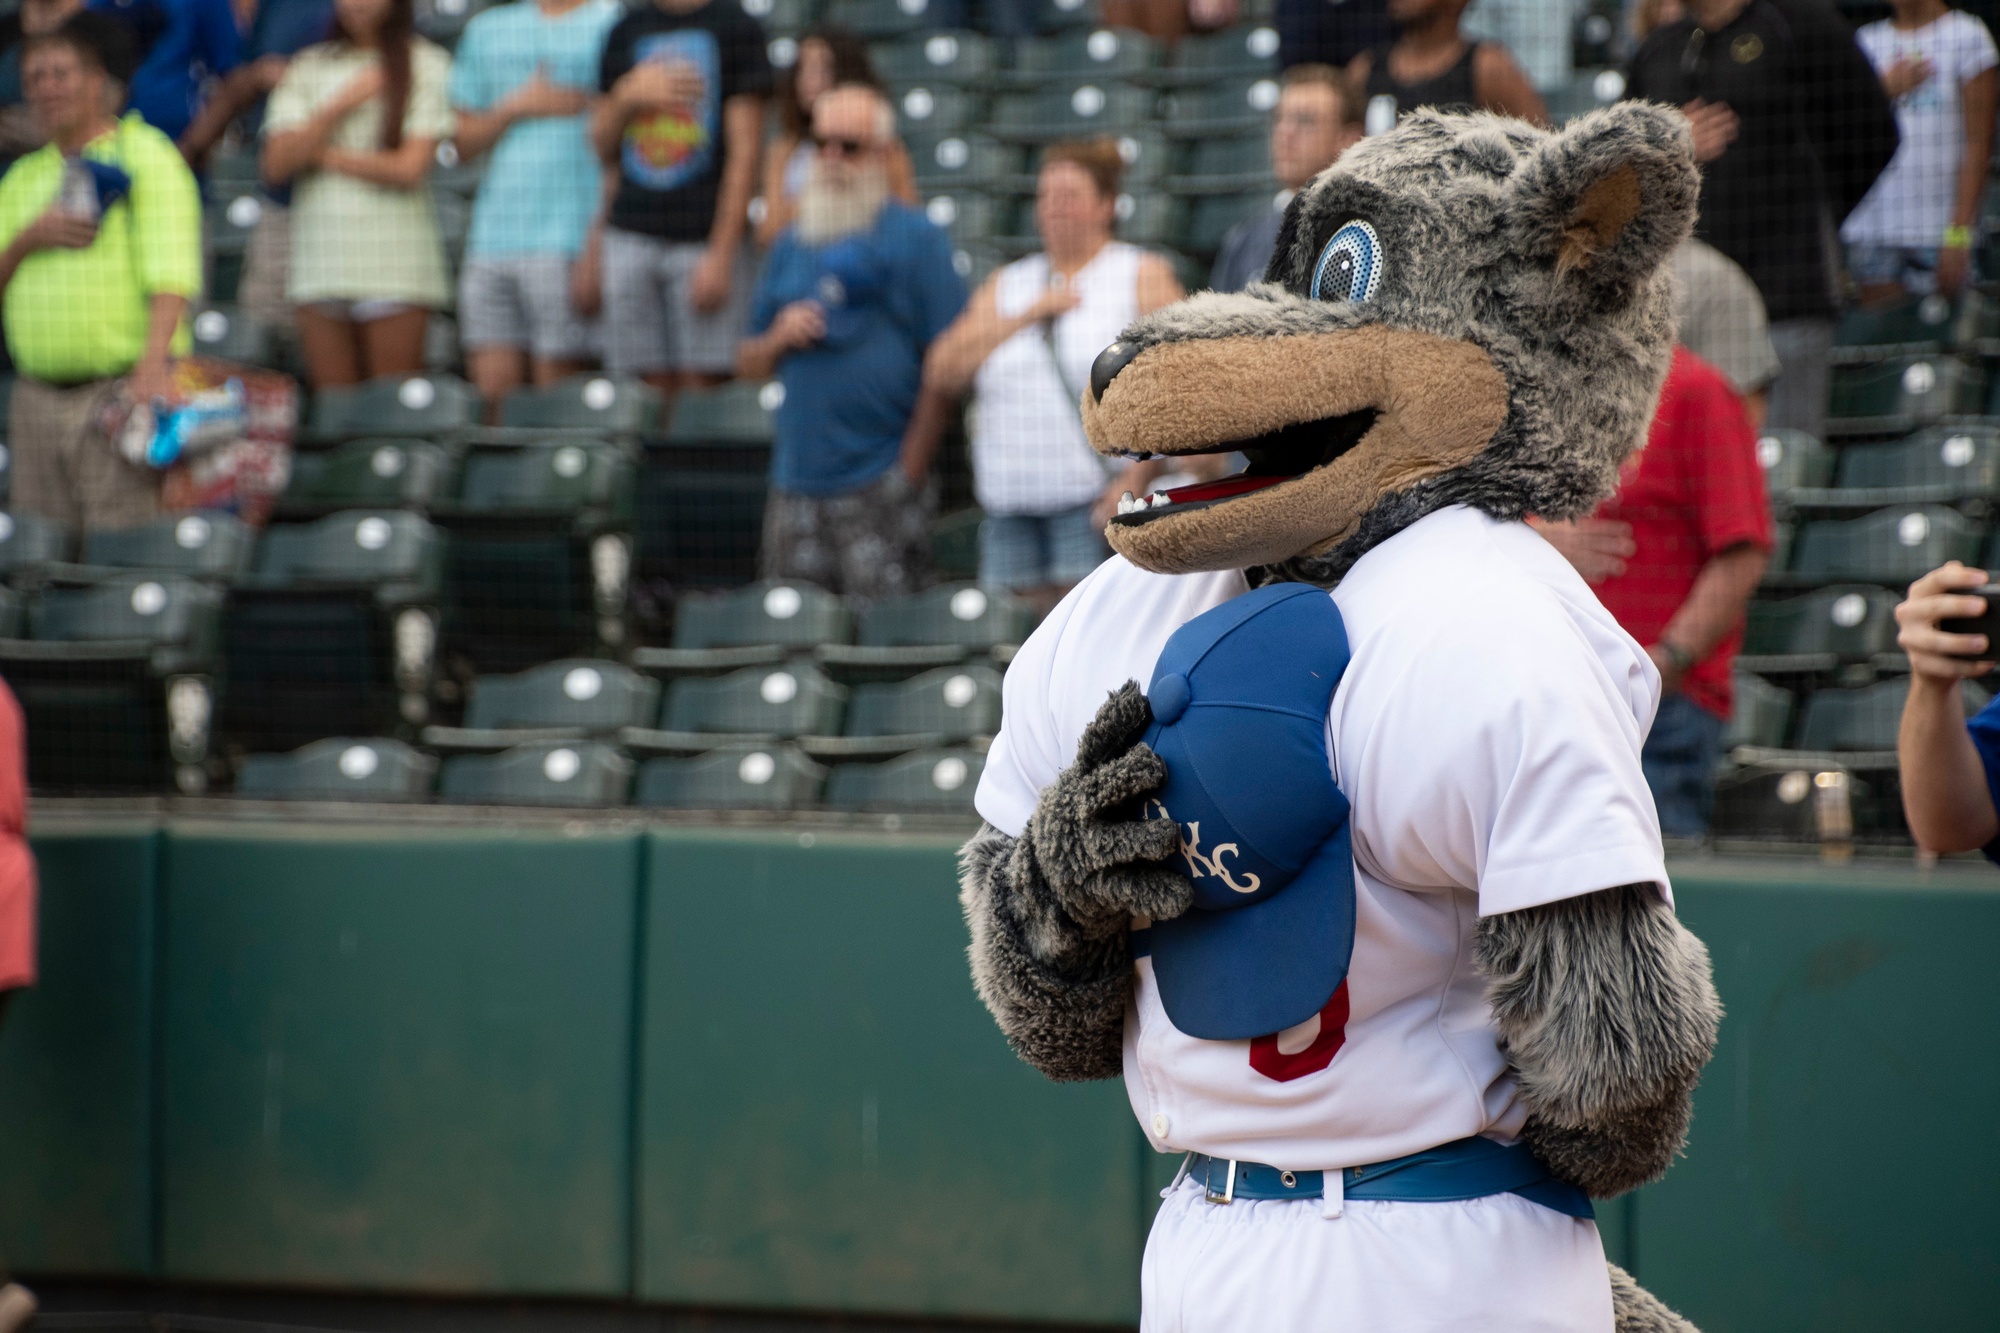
(92, 307)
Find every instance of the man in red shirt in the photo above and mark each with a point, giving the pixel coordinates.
(1675, 556)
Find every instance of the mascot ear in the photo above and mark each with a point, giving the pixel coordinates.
(1600, 205)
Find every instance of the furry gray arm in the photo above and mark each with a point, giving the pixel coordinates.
(1049, 911)
(1607, 1013)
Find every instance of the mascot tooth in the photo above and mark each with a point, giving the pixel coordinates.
(1317, 812)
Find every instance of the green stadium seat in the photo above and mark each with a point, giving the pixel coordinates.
(6, 454)
(955, 545)
(1148, 155)
(29, 542)
(1891, 546)
(540, 558)
(13, 613)
(759, 625)
(1793, 797)
(430, 405)
(226, 228)
(1238, 107)
(928, 780)
(699, 515)
(1247, 51)
(227, 333)
(976, 262)
(959, 57)
(454, 223)
(565, 700)
(343, 768)
(1060, 15)
(1239, 165)
(334, 631)
(1896, 396)
(454, 175)
(972, 218)
(952, 162)
(1152, 219)
(876, 20)
(1762, 716)
(1819, 631)
(1864, 718)
(1093, 56)
(116, 680)
(1079, 111)
(734, 777)
(205, 545)
(1937, 465)
(1586, 91)
(598, 404)
(588, 774)
(1792, 460)
(943, 626)
(1919, 326)
(367, 474)
(781, 16)
(940, 707)
(232, 171)
(1211, 217)
(757, 703)
(938, 108)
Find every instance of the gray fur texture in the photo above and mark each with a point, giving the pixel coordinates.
(1607, 1012)
(1473, 212)
(1048, 912)
(1636, 1310)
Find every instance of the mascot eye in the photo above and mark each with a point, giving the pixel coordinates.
(1350, 268)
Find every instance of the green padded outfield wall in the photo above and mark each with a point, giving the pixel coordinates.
(831, 1120)
(398, 1061)
(76, 1131)
(746, 1068)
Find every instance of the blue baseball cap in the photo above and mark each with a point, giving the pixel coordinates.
(1239, 698)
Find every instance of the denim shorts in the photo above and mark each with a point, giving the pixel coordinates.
(1912, 266)
(1039, 550)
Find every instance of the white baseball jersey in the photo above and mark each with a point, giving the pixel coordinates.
(1487, 732)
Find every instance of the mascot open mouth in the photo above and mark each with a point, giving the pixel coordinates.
(1331, 421)
(1275, 456)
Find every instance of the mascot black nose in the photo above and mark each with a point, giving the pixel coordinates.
(1109, 362)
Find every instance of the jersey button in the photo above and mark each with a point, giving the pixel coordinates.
(1161, 1124)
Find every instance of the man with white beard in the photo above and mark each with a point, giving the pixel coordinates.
(852, 294)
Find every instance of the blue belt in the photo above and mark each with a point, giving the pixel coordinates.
(1467, 1169)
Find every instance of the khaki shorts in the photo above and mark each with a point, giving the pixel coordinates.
(64, 466)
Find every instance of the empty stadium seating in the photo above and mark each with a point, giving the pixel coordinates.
(757, 625)
(572, 773)
(735, 777)
(341, 768)
(368, 474)
(947, 705)
(754, 704)
(699, 508)
(564, 700)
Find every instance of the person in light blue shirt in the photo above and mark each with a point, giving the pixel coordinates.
(522, 84)
(852, 295)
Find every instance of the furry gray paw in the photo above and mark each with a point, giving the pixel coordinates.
(1608, 1014)
(1636, 1310)
(1618, 1154)
(1102, 861)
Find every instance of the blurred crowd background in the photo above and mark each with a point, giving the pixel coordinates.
(569, 402)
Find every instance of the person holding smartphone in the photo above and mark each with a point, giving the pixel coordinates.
(1950, 764)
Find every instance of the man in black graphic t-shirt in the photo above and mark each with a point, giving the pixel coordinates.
(680, 127)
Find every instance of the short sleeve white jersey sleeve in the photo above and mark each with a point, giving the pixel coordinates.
(1489, 725)
(1108, 630)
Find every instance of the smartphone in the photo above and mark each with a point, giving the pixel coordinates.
(1987, 623)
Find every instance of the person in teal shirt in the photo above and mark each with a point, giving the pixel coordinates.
(522, 84)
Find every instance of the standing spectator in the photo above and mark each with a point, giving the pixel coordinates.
(521, 87)
(1791, 127)
(1912, 234)
(18, 134)
(1674, 556)
(1026, 344)
(354, 126)
(279, 30)
(1318, 118)
(1721, 320)
(682, 120)
(184, 44)
(1950, 766)
(1537, 33)
(1330, 32)
(853, 293)
(827, 57)
(99, 266)
(1432, 64)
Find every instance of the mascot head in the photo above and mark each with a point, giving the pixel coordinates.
(1466, 310)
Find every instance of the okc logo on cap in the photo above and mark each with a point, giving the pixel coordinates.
(1239, 698)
